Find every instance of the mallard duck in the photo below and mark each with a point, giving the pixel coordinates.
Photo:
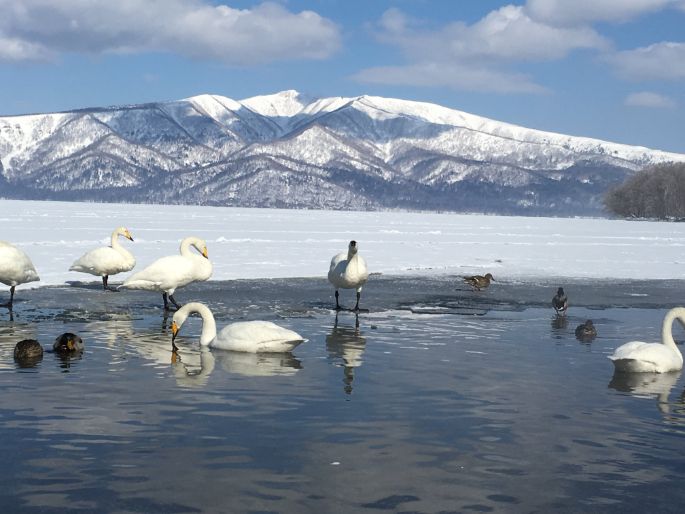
(107, 260)
(662, 357)
(586, 330)
(348, 271)
(68, 343)
(560, 301)
(479, 282)
(15, 268)
(28, 350)
(167, 274)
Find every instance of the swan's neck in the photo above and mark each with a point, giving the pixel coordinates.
(208, 325)
(114, 242)
(667, 327)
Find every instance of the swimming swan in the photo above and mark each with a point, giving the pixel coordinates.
(637, 356)
(348, 271)
(15, 268)
(167, 274)
(107, 260)
(242, 336)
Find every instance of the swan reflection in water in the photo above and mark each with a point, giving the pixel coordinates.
(347, 344)
(647, 385)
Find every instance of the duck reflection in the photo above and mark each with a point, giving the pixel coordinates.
(347, 344)
(559, 322)
(647, 385)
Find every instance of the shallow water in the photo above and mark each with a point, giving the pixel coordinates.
(437, 400)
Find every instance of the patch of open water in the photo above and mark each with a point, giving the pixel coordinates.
(467, 408)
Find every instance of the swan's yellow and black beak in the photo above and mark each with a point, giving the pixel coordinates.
(205, 254)
(128, 236)
(174, 331)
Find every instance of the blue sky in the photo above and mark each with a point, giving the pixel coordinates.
(610, 69)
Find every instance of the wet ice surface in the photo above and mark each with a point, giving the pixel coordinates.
(439, 399)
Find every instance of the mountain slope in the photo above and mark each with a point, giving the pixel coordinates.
(285, 150)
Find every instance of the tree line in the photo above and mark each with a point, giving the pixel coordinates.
(655, 192)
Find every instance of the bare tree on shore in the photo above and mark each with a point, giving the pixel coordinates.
(655, 192)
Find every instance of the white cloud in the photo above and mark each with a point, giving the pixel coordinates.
(12, 49)
(476, 56)
(565, 12)
(649, 99)
(193, 28)
(664, 60)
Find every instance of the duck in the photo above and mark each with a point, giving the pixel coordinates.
(28, 351)
(479, 282)
(15, 269)
(560, 301)
(242, 336)
(68, 343)
(107, 260)
(167, 274)
(641, 357)
(586, 330)
(348, 271)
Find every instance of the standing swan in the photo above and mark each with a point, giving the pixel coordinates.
(107, 260)
(15, 268)
(243, 336)
(637, 356)
(167, 274)
(348, 271)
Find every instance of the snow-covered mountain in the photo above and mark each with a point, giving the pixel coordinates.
(285, 150)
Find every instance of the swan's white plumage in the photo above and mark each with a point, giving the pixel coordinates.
(167, 274)
(242, 336)
(15, 266)
(348, 269)
(641, 357)
(107, 260)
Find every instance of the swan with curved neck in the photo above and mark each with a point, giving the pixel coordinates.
(15, 268)
(637, 356)
(242, 336)
(107, 260)
(348, 271)
(167, 274)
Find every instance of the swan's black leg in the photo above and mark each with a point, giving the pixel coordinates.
(177, 305)
(9, 304)
(166, 303)
(105, 278)
(356, 305)
(337, 305)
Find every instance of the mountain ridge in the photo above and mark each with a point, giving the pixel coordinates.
(289, 150)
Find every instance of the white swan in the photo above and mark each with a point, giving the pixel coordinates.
(107, 260)
(348, 271)
(15, 268)
(167, 274)
(637, 356)
(242, 336)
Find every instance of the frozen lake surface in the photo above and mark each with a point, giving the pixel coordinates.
(274, 243)
(438, 400)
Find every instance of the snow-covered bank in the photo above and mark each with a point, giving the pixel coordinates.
(269, 243)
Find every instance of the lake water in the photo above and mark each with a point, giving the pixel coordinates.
(437, 400)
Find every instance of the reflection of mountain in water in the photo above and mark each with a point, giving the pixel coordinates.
(647, 385)
(347, 344)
